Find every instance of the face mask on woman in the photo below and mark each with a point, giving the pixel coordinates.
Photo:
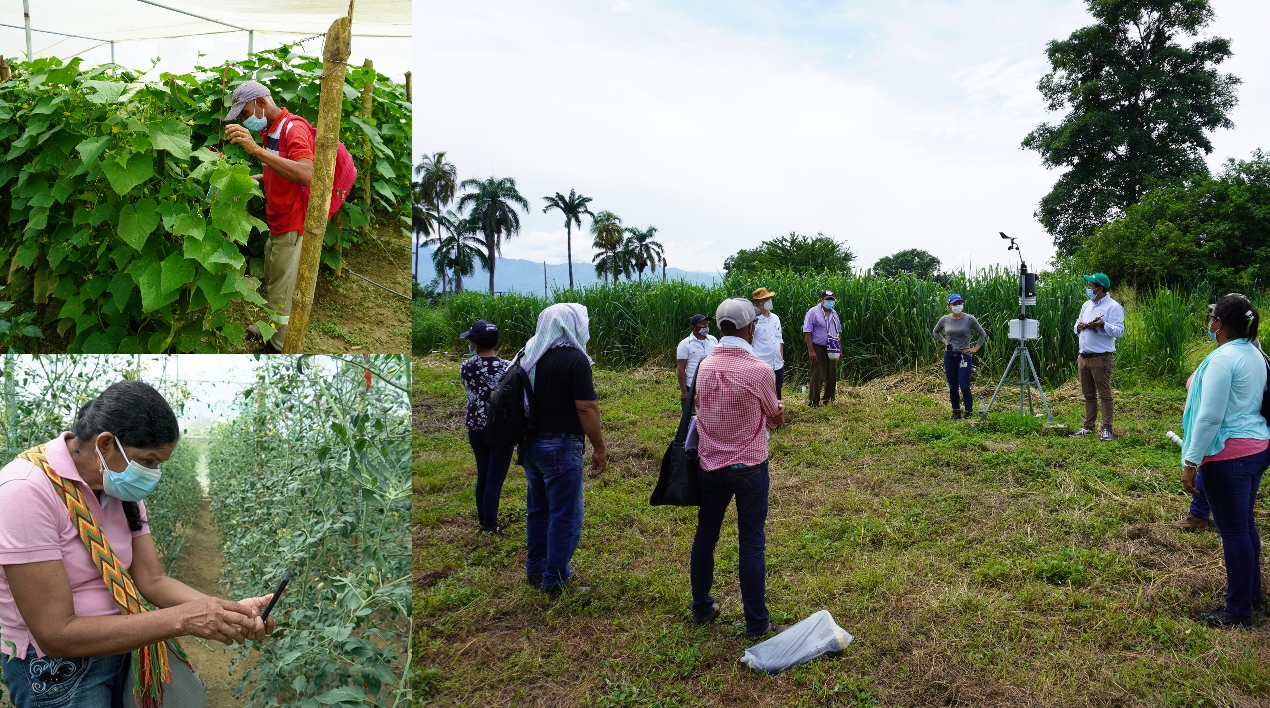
(1211, 334)
(957, 309)
(134, 483)
(767, 305)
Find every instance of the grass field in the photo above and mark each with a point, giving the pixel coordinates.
(1003, 565)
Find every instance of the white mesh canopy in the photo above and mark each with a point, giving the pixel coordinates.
(142, 32)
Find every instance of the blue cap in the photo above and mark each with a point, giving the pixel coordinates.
(954, 298)
(480, 328)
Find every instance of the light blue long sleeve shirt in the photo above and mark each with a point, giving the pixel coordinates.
(1103, 339)
(1224, 401)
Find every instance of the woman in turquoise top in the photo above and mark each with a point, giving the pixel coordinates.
(1228, 439)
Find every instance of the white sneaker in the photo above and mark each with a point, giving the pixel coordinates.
(1082, 433)
(1105, 435)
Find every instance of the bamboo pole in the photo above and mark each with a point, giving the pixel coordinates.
(409, 93)
(367, 155)
(330, 103)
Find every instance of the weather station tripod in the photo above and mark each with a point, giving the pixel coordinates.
(1023, 330)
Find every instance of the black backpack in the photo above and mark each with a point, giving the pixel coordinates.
(509, 413)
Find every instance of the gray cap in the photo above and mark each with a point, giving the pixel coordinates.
(246, 92)
(736, 311)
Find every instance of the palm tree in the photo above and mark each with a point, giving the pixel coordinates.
(606, 227)
(645, 251)
(434, 185)
(573, 207)
(493, 203)
(460, 251)
(431, 224)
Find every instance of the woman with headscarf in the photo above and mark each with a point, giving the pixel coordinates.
(564, 414)
(1228, 443)
(78, 562)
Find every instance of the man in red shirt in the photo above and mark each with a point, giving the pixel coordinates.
(736, 406)
(287, 173)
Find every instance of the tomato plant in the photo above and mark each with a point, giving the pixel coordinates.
(127, 230)
(313, 476)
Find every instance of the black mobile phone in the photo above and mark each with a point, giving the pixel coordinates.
(282, 587)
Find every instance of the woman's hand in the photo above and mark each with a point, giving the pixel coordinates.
(1189, 470)
(213, 618)
(261, 630)
(974, 349)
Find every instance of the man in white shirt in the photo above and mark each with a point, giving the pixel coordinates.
(1101, 323)
(695, 347)
(769, 344)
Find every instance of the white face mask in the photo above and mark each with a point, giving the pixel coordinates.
(957, 309)
(767, 305)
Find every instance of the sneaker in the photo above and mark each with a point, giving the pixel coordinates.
(496, 531)
(1225, 618)
(1192, 524)
(572, 589)
(956, 415)
(772, 628)
(1105, 435)
(714, 614)
(1082, 433)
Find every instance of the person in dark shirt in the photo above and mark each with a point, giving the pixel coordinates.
(480, 374)
(565, 413)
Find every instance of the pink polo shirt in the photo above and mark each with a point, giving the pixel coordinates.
(35, 526)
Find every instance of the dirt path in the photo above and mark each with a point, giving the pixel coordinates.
(200, 567)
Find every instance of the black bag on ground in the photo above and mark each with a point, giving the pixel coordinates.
(677, 483)
(508, 415)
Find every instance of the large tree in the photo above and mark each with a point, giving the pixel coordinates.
(460, 250)
(435, 182)
(801, 254)
(1139, 107)
(492, 203)
(612, 259)
(573, 207)
(644, 249)
(913, 260)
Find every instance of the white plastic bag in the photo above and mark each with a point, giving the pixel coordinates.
(814, 636)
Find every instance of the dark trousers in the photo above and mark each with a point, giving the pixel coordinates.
(780, 381)
(492, 462)
(749, 485)
(1199, 502)
(1231, 488)
(1095, 384)
(959, 378)
(824, 373)
(553, 507)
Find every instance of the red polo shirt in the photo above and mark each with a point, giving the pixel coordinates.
(286, 202)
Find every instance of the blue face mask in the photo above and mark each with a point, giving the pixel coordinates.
(1089, 293)
(1212, 335)
(829, 304)
(134, 483)
(255, 123)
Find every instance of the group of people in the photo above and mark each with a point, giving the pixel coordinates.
(738, 379)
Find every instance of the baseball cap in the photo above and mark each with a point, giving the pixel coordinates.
(696, 320)
(1100, 278)
(246, 91)
(954, 298)
(736, 311)
(480, 328)
(827, 295)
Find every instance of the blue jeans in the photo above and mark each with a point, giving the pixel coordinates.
(553, 467)
(1231, 488)
(89, 682)
(959, 377)
(1199, 502)
(749, 485)
(492, 462)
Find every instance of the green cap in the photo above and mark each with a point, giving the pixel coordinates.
(1101, 279)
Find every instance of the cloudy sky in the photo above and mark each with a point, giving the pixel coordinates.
(888, 124)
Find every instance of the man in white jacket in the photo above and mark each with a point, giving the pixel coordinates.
(1100, 324)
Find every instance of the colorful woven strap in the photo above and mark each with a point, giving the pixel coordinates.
(149, 663)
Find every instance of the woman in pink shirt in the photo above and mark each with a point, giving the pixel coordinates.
(64, 638)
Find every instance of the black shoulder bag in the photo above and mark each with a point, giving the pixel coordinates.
(677, 483)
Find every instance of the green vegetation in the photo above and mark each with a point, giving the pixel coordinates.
(310, 477)
(990, 566)
(913, 261)
(817, 254)
(126, 231)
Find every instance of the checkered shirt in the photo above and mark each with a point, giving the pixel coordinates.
(736, 392)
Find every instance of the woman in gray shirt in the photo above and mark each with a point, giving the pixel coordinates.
(957, 330)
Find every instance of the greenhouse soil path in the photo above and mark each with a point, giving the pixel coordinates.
(200, 568)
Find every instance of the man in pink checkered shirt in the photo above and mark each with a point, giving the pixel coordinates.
(736, 406)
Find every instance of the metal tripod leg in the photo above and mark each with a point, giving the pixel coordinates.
(1037, 379)
(1004, 376)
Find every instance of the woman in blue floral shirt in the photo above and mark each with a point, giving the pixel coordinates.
(480, 373)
